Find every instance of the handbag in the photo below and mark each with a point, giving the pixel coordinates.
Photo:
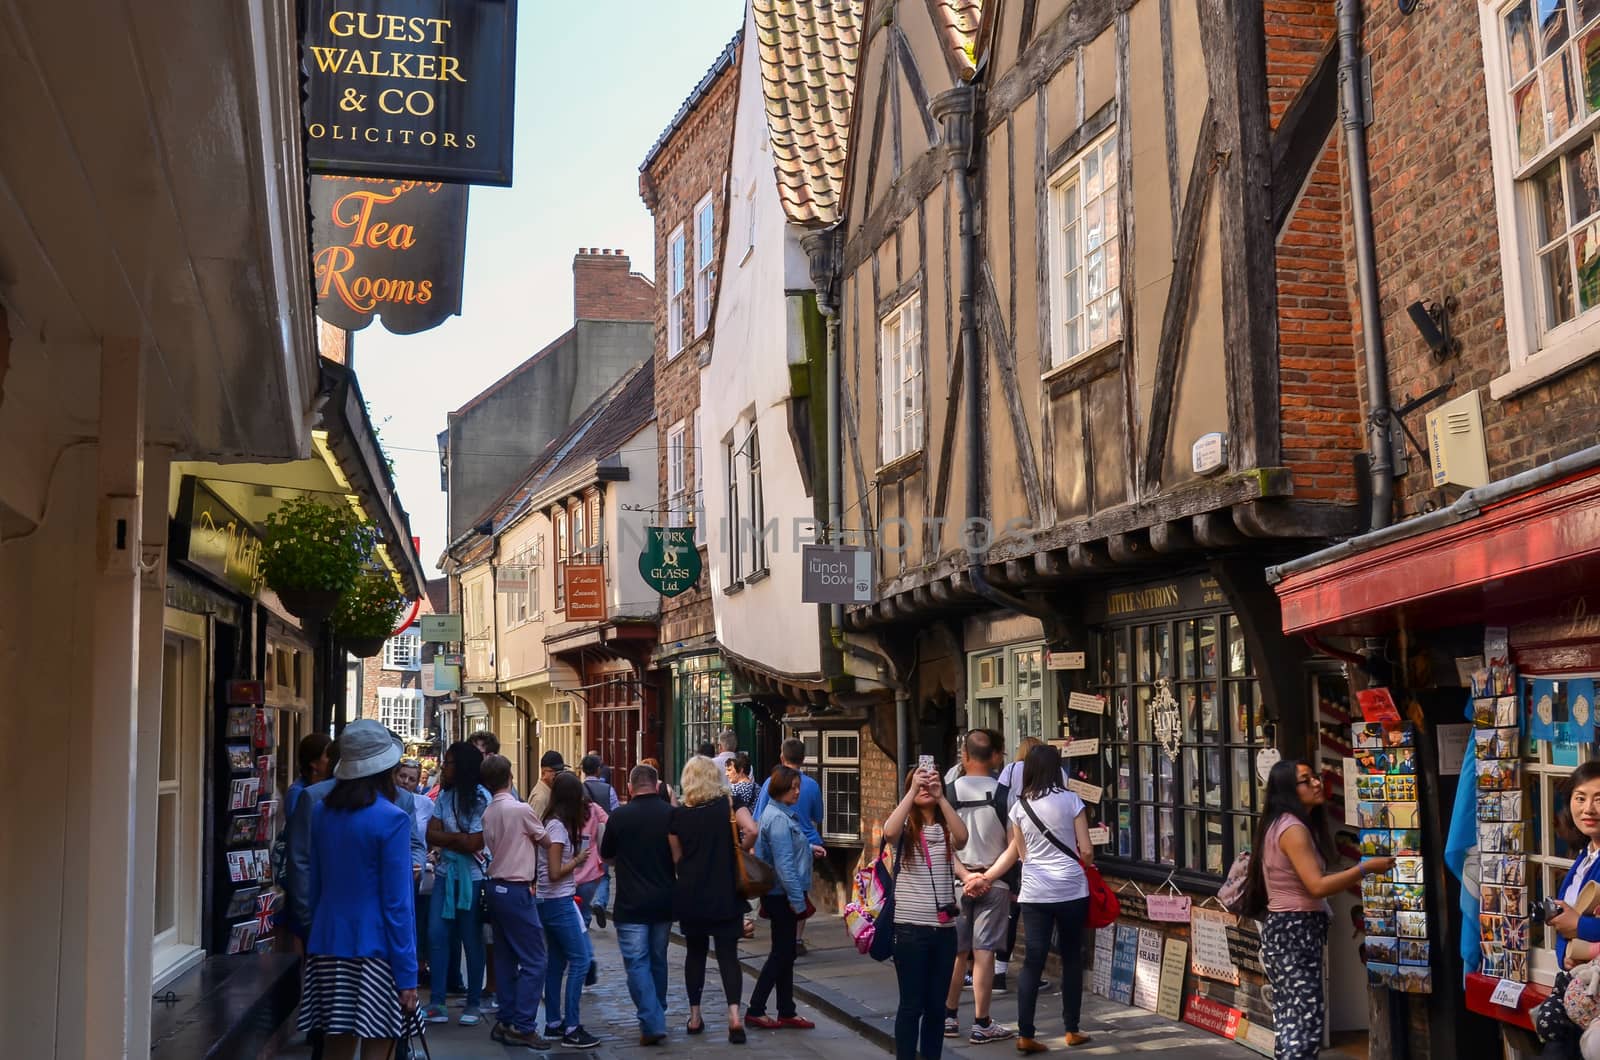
(1103, 905)
(754, 876)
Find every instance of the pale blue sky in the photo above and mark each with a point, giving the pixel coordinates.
(596, 84)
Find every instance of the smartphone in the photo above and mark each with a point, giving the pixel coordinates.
(926, 762)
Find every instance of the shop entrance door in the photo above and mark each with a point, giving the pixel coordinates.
(1025, 714)
(615, 718)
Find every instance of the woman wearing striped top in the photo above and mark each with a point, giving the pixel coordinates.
(927, 831)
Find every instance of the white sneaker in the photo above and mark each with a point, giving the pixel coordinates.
(994, 1032)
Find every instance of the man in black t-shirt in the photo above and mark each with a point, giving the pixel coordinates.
(636, 842)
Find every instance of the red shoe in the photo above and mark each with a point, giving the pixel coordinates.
(799, 1023)
(766, 1023)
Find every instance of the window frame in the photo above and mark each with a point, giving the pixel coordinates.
(1070, 178)
(563, 544)
(522, 606)
(730, 452)
(1120, 654)
(902, 427)
(677, 280)
(1534, 353)
(177, 948)
(403, 704)
(403, 651)
(755, 501)
(822, 766)
(677, 477)
(705, 262)
(697, 477)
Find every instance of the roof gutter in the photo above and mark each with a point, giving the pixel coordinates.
(1468, 506)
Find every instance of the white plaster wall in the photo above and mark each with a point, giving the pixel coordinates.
(520, 649)
(749, 372)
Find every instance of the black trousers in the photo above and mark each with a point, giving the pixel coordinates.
(1039, 921)
(779, 970)
(698, 937)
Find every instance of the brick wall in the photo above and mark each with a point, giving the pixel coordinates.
(692, 163)
(605, 287)
(1299, 32)
(1435, 229)
(1316, 342)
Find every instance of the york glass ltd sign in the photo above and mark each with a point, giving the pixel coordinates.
(420, 89)
(670, 562)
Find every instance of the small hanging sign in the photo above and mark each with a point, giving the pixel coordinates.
(1091, 794)
(1078, 748)
(1166, 719)
(1085, 702)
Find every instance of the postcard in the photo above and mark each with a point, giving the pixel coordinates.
(1490, 837)
(1408, 870)
(1506, 712)
(242, 901)
(1513, 872)
(1400, 788)
(1489, 898)
(1499, 776)
(1414, 951)
(1495, 743)
(1412, 925)
(1491, 868)
(242, 938)
(1492, 928)
(1517, 966)
(1379, 950)
(1516, 932)
(1376, 843)
(1414, 980)
(1412, 896)
(1370, 787)
(1405, 841)
(240, 866)
(240, 760)
(238, 723)
(1494, 965)
(1514, 901)
(1512, 838)
(1511, 806)
(1379, 922)
(1489, 804)
(1377, 893)
(1372, 814)
(1401, 760)
(1372, 760)
(263, 866)
(1403, 814)
(242, 830)
(1383, 975)
(1402, 736)
(1367, 734)
(264, 767)
(242, 796)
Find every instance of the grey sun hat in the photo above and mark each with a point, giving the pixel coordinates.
(366, 747)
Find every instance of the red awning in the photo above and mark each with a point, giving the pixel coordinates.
(1517, 558)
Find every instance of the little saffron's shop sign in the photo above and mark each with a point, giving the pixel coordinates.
(388, 248)
(421, 89)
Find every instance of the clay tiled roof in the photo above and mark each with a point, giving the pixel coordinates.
(808, 51)
(957, 22)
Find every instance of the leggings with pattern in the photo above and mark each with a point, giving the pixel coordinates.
(1291, 949)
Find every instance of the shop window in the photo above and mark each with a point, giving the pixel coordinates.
(700, 695)
(833, 760)
(403, 652)
(1013, 693)
(1196, 811)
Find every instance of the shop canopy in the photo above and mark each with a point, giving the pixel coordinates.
(1515, 549)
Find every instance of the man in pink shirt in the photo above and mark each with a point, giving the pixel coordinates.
(513, 834)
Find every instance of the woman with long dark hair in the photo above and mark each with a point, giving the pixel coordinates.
(455, 917)
(567, 944)
(1578, 935)
(1050, 836)
(1289, 881)
(360, 974)
(926, 831)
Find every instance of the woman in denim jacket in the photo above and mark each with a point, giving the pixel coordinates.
(783, 845)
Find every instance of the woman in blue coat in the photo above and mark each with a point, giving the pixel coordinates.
(782, 843)
(1578, 936)
(360, 973)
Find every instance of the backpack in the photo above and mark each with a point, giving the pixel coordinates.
(599, 792)
(1232, 894)
(869, 916)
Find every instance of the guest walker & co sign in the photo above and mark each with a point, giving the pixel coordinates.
(420, 89)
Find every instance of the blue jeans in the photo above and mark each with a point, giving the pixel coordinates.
(644, 958)
(923, 960)
(465, 929)
(520, 962)
(569, 956)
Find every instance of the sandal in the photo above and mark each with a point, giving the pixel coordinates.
(691, 1028)
(736, 1035)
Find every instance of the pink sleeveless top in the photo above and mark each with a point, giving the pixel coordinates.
(1285, 892)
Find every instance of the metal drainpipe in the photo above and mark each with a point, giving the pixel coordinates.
(1353, 115)
(835, 476)
(902, 700)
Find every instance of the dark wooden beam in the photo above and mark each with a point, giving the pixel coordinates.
(1233, 36)
(936, 16)
(1127, 442)
(1006, 360)
(1169, 93)
(942, 593)
(1083, 135)
(1302, 134)
(914, 185)
(1131, 548)
(1082, 22)
(914, 81)
(880, 112)
(891, 78)
(1175, 318)
(1041, 282)
(1089, 557)
(1052, 564)
(1172, 536)
(1216, 530)
(1291, 518)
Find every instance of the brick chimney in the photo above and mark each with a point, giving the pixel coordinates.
(605, 288)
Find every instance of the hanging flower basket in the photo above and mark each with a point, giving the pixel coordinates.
(313, 553)
(369, 612)
(364, 647)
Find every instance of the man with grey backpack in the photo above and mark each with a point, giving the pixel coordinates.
(985, 907)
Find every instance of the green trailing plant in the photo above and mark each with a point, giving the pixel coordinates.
(315, 546)
(371, 608)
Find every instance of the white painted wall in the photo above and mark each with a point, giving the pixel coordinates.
(628, 593)
(749, 373)
(520, 649)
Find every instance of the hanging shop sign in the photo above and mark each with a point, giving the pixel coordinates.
(670, 562)
(512, 579)
(417, 89)
(1200, 592)
(387, 248)
(440, 629)
(212, 536)
(831, 575)
(446, 678)
(585, 586)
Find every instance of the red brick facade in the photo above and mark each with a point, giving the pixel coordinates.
(1299, 34)
(604, 287)
(690, 163)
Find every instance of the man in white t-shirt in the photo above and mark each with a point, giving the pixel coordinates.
(985, 907)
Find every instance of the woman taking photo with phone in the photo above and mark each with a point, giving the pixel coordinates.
(926, 832)
(1289, 881)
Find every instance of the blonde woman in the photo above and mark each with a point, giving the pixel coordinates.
(1010, 785)
(706, 898)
